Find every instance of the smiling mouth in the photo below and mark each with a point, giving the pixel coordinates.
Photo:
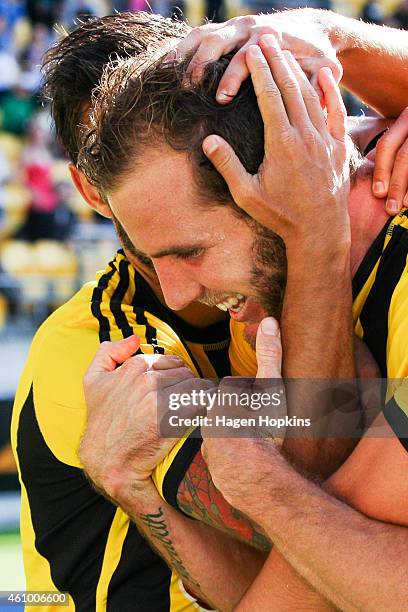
(234, 303)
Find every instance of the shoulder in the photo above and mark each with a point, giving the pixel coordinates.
(374, 479)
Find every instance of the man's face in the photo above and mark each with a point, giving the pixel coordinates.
(200, 252)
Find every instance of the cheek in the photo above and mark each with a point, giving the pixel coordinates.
(228, 269)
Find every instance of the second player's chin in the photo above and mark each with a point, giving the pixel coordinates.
(250, 332)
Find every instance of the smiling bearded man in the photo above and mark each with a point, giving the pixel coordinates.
(197, 245)
(169, 205)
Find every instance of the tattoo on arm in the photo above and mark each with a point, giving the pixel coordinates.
(197, 497)
(157, 528)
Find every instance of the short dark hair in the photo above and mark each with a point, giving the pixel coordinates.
(145, 101)
(74, 66)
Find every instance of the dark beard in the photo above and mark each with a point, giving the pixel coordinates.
(269, 270)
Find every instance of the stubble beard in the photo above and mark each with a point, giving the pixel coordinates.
(268, 276)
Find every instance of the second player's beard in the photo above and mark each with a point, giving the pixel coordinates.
(268, 276)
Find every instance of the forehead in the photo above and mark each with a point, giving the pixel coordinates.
(158, 203)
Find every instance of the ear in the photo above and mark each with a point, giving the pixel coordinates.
(89, 193)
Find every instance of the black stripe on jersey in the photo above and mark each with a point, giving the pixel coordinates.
(218, 356)
(146, 299)
(141, 319)
(145, 590)
(374, 314)
(117, 299)
(104, 326)
(179, 467)
(145, 296)
(369, 261)
(373, 143)
(70, 520)
(398, 421)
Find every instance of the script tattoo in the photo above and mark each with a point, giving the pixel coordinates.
(197, 497)
(158, 529)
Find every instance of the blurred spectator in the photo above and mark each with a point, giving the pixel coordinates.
(49, 216)
(46, 12)
(215, 10)
(138, 5)
(5, 169)
(372, 12)
(32, 55)
(259, 6)
(11, 11)
(37, 166)
(17, 107)
(83, 9)
(57, 223)
(9, 71)
(400, 18)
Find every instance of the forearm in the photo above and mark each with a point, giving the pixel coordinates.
(332, 546)
(213, 566)
(198, 498)
(316, 323)
(370, 55)
(287, 591)
(318, 344)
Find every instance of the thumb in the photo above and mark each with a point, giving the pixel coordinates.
(269, 349)
(111, 354)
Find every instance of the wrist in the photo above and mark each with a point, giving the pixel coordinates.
(339, 31)
(277, 493)
(310, 250)
(130, 492)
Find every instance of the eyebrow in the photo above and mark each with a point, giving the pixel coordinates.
(177, 250)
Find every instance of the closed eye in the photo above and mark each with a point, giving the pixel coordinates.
(191, 254)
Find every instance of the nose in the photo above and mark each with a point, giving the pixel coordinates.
(179, 288)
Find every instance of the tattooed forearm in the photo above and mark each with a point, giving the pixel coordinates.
(158, 530)
(197, 497)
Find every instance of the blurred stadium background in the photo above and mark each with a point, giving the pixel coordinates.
(50, 241)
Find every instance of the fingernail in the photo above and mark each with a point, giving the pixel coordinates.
(224, 97)
(210, 146)
(269, 327)
(224, 94)
(393, 206)
(379, 187)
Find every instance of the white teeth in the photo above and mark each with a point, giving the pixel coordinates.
(234, 303)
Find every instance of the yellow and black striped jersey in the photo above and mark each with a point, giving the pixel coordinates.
(73, 539)
(380, 309)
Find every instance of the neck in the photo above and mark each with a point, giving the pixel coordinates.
(367, 216)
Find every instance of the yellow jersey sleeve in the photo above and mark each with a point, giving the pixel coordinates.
(74, 539)
(396, 408)
(242, 355)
